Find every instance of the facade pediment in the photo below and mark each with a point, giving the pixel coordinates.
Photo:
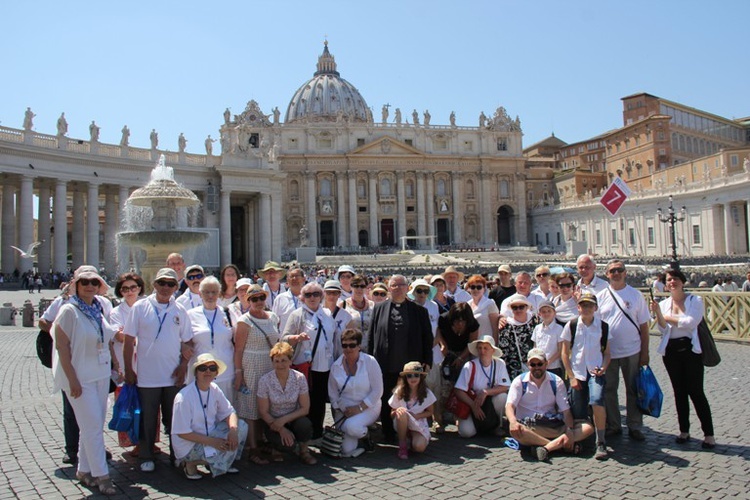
(386, 146)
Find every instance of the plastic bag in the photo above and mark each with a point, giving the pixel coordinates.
(650, 396)
(126, 414)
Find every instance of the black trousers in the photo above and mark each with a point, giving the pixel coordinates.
(685, 370)
(152, 400)
(70, 428)
(389, 382)
(318, 398)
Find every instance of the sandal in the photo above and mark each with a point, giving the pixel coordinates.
(306, 458)
(193, 475)
(106, 487)
(86, 479)
(256, 458)
(276, 455)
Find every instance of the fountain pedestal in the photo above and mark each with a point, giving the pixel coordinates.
(307, 254)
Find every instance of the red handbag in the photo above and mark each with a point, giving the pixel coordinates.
(456, 406)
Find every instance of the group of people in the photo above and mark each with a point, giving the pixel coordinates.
(233, 366)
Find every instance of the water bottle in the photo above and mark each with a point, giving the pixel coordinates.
(244, 390)
(308, 355)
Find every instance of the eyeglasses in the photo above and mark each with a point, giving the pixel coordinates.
(258, 298)
(413, 375)
(349, 346)
(616, 270)
(359, 286)
(542, 275)
(422, 291)
(518, 308)
(211, 368)
(536, 365)
(476, 287)
(345, 275)
(379, 294)
(87, 282)
(333, 292)
(565, 285)
(170, 284)
(309, 295)
(195, 277)
(126, 289)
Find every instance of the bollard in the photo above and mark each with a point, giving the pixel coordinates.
(43, 305)
(28, 314)
(7, 314)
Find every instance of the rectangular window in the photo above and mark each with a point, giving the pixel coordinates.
(360, 142)
(558, 237)
(583, 235)
(502, 144)
(292, 143)
(598, 233)
(614, 236)
(546, 238)
(362, 209)
(410, 209)
(325, 142)
(441, 144)
(651, 236)
(468, 145)
(631, 236)
(734, 160)
(408, 142)
(696, 234)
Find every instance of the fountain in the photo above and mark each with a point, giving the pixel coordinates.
(151, 220)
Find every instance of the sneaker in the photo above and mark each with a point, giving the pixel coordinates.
(636, 435)
(541, 453)
(233, 470)
(148, 466)
(354, 453)
(70, 459)
(601, 452)
(403, 452)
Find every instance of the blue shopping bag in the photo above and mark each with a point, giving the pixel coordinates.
(126, 414)
(650, 396)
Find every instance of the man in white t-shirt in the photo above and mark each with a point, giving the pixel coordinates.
(453, 278)
(192, 296)
(163, 332)
(626, 312)
(288, 302)
(523, 287)
(589, 281)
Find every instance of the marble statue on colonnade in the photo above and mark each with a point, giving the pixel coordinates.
(453, 118)
(125, 140)
(210, 145)
(227, 116)
(94, 131)
(154, 138)
(415, 117)
(62, 125)
(427, 117)
(181, 143)
(28, 119)
(384, 112)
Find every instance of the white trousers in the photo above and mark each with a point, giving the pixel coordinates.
(90, 409)
(466, 428)
(355, 428)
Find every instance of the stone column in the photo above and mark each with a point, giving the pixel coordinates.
(110, 234)
(77, 234)
(265, 227)
(521, 236)
(225, 227)
(252, 251)
(430, 202)
(44, 255)
(421, 220)
(401, 200)
(747, 221)
(278, 224)
(122, 199)
(341, 211)
(457, 208)
(312, 212)
(485, 215)
(353, 227)
(372, 181)
(60, 216)
(9, 226)
(728, 225)
(26, 220)
(92, 226)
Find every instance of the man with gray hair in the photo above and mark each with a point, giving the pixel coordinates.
(523, 287)
(589, 281)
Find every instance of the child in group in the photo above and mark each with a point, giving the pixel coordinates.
(411, 405)
(585, 354)
(546, 336)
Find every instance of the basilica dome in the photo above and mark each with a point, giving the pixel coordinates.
(327, 97)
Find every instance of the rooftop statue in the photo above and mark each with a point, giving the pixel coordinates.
(154, 137)
(94, 131)
(62, 125)
(125, 140)
(28, 119)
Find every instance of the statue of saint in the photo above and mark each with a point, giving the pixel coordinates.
(276, 115)
(154, 137)
(210, 145)
(28, 119)
(398, 116)
(385, 113)
(181, 143)
(415, 117)
(427, 117)
(482, 119)
(125, 140)
(227, 115)
(62, 125)
(94, 131)
(304, 236)
(453, 118)
(746, 165)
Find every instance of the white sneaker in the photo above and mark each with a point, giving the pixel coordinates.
(148, 466)
(354, 453)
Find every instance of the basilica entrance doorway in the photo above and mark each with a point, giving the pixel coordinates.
(443, 232)
(504, 225)
(326, 234)
(387, 233)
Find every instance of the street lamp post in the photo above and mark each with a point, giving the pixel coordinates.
(672, 218)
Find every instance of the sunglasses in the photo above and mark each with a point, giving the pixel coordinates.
(476, 287)
(518, 308)
(565, 285)
(126, 289)
(379, 294)
(542, 275)
(87, 282)
(616, 270)
(359, 286)
(258, 298)
(536, 365)
(334, 292)
(309, 295)
(211, 368)
(349, 346)
(413, 375)
(195, 277)
(422, 291)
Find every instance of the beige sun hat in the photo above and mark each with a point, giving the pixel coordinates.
(271, 265)
(486, 339)
(207, 357)
(453, 270)
(88, 272)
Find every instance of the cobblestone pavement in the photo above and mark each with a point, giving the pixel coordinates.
(31, 448)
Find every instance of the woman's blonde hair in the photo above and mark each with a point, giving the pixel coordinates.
(282, 349)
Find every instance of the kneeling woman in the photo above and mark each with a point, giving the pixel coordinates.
(412, 404)
(487, 378)
(283, 404)
(205, 427)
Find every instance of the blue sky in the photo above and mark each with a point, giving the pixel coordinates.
(174, 66)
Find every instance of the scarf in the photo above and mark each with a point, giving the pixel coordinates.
(93, 312)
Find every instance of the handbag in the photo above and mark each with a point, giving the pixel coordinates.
(456, 406)
(650, 396)
(333, 438)
(709, 353)
(44, 347)
(126, 414)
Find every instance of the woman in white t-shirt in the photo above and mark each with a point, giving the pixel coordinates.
(486, 377)
(412, 404)
(546, 336)
(485, 309)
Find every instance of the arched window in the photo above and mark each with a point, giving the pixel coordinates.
(294, 189)
(441, 187)
(409, 189)
(470, 188)
(385, 187)
(361, 190)
(504, 189)
(325, 187)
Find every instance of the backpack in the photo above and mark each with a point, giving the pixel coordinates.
(44, 348)
(605, 333)
(552, 382)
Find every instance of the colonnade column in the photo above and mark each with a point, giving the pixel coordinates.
(747, 221)
(728, 241)
(312, 220)
(9, 227)
(110, 234)
(420, 209)
(26, 220)
(92, 225)
(278, 226)
(341, 211)
(401, 200)
(44, 257)
(485, 216)
(252, 235)
(60, 220)
(265, 227)
(372, 200)
(430, 210)
(522, 236)
(225, 227)
(123, 261)
(77, 234)
(457, 214)
(353, 232)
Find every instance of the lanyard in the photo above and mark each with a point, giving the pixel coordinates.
(203, 406)
(491, 376)
(321, 329)
(211, 324)
(295, 301)
(161, 319)
(192, 304)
